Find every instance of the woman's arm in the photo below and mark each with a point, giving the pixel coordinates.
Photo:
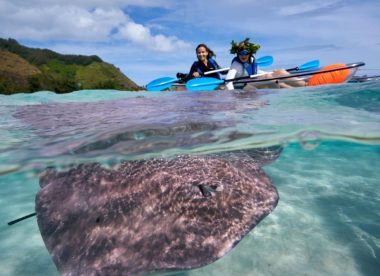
(230, 75)
(193, 70)
(236, 71)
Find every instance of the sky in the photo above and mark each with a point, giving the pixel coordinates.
(149, 39)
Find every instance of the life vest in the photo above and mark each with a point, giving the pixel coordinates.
(212, 62)
(251, 68)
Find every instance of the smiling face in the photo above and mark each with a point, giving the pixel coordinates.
(202, 54)
(243, 58)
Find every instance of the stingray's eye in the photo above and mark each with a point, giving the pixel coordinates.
(206, 189)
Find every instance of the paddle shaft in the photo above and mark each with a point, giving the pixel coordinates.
(263, 61)
(216, 71)
(308, 65)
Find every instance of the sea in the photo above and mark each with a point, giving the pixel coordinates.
(327, 221)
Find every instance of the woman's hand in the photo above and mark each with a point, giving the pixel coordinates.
(196, 75)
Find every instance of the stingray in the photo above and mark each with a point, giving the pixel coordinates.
(155, 215)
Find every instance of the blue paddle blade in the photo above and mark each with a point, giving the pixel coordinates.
(198, 84)
(264, 61)
(314, 64)
(311, 65)
(161, 84)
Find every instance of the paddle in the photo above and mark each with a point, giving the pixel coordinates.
(166, 82)
(311, 65)
(161, 83)
(264, 61)
(212, 83)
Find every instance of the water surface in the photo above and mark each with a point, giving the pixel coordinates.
(327, 221)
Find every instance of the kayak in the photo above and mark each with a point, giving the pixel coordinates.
(164, 83)
(364, 78)
(332, 74)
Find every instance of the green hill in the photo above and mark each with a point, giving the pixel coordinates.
(24, 69)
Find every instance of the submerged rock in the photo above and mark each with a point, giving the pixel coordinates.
(151, 215)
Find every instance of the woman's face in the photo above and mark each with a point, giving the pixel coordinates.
(202, 53)
(244, 58)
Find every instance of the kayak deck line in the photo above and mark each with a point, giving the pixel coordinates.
(308, 73)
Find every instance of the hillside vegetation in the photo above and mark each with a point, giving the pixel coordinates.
(24, 69)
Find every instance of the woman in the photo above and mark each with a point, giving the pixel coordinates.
(243, 65)
(204, 64)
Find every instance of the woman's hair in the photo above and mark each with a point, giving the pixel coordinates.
(210, 52)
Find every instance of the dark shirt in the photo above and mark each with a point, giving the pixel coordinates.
(203, 68)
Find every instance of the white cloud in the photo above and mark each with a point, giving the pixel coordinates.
(306, 7)
(94, 21)
(92, 3)
(151, 43)
(140, 34)
(65, 23)
(134, 32)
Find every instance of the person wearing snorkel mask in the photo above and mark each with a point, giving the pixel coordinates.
(244, 65)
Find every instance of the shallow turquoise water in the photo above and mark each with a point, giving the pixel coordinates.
(327, 221)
